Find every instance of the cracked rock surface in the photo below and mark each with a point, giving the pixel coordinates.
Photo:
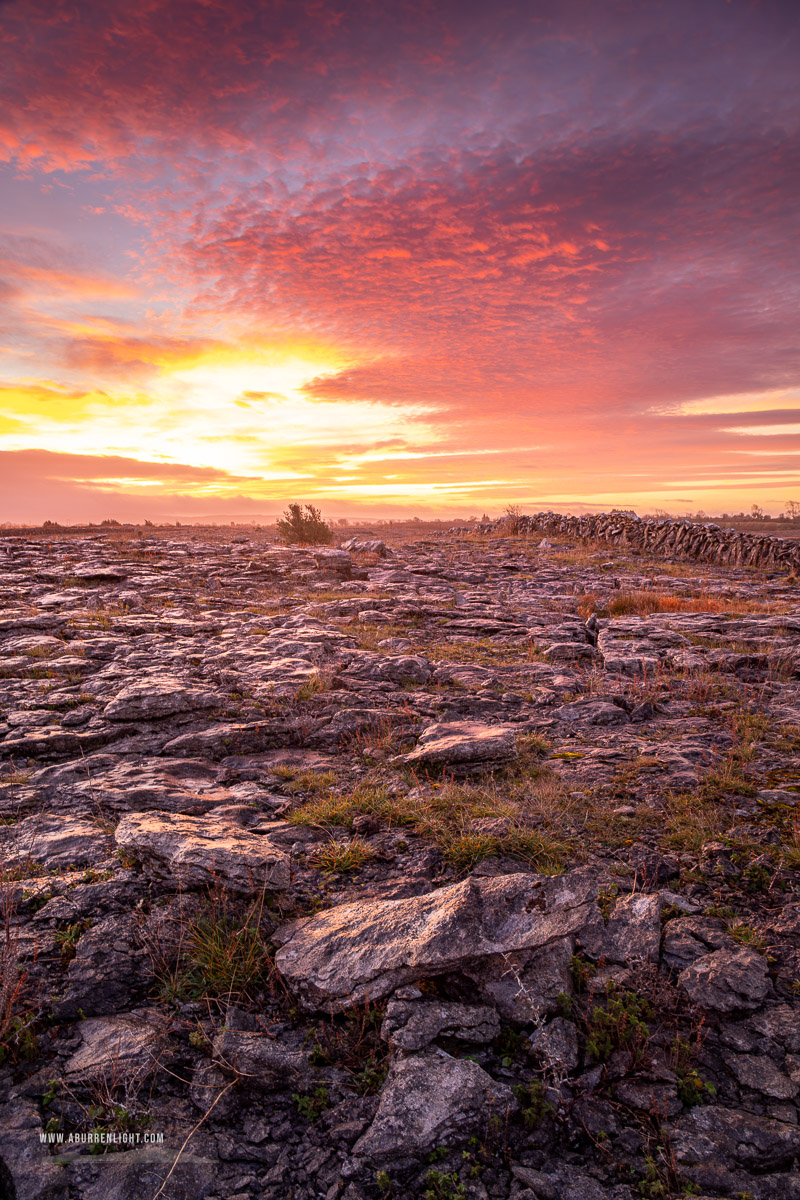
(455, 867)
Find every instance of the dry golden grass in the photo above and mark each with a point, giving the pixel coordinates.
(370, 636)
(645, 602)
(340, 857)
(304, 781)
(482, 652)
(690, 821)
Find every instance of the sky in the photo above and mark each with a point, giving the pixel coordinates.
(407, 257)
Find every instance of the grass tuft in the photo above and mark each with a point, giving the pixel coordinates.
(222, 955)
(340, 857)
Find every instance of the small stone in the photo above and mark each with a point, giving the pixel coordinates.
(542, 1187)
(413, 1024)
(260, 1061)
(727, 980)
(760, 1073)
(431, 1100)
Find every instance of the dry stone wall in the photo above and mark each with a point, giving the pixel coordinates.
(690, 540)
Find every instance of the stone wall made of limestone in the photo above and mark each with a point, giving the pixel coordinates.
(687, 540)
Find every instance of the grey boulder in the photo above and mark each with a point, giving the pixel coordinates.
(142, 1172)
(781, 1024)
(727, 980)
(759, 1072)
(428, 1101)
(362, 950)
(633, 932)
(109, 972)
(690, 938)
(734, 1137)
(196, 851)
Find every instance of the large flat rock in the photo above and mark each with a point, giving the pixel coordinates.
(153, 697)
(463, 746)
(193, 852)
(357, 951)
(221, 741)
(53, 841)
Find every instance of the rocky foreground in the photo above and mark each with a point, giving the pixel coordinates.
(462, 868)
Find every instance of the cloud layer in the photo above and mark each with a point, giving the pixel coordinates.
(555, 226)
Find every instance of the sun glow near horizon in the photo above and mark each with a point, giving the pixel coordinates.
(247, 416)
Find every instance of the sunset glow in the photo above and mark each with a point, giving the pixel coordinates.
(397, 258)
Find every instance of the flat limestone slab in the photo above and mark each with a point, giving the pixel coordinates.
(195, 851)
(157, 696)
(464, 746)
(357, 951)
(53, 841)
(115, 1048)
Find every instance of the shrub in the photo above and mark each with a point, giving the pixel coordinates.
(534, 1106)
(306, 526)
(440, 1186)
(311, 1104)
(619, 1023)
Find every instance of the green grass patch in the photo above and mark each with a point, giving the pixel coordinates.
(223, 955)
(446, 814)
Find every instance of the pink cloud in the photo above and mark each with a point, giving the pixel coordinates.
(544, 221)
